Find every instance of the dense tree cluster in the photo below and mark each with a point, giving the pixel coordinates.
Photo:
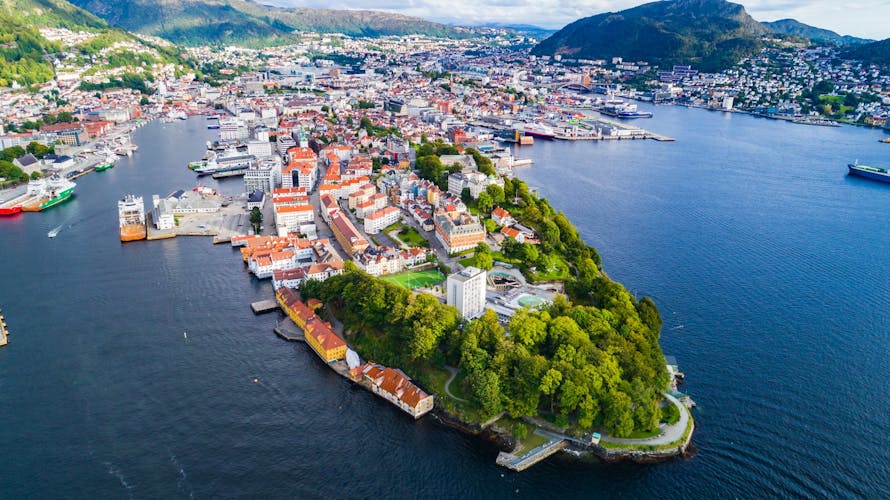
(578, 365)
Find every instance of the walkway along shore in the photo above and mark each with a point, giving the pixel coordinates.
(673, 441)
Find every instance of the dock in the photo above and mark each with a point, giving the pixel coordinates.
(264, 306)
(521, 462)
(287, 330)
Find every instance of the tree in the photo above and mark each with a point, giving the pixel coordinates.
(484, 202)
(550, 384)
(527, 328)
(496, 192)
(485, 261)
(490, 225)
(36, 175)
(486, 389)
(256, 219)
(617, 414)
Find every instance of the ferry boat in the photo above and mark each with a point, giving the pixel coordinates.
(229, 160)
(872, 173)
(107, 161)
(212, 122)
(819, 122)
(47, 193)
(131, 215)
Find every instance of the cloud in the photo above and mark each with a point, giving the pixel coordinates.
(865, 18)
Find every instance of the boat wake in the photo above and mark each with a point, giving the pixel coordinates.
(114, 471)
(55, 231)
(183, 477)
(678, 327)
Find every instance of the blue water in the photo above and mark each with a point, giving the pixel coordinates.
(767, 261)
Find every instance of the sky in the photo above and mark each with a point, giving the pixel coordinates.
(862, 18)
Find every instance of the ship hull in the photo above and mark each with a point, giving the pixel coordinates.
(133, 232)
(9, 211)
(104, 167)
(867, 174)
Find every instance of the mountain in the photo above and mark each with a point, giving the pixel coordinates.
(818, 35)
(875, 52)
(709, 34)
(203, 22)
(83, 43)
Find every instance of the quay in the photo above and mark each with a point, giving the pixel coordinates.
(521, 462)
(287, 330)
(264, 306)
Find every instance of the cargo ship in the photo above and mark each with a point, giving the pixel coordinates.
(13, 206)
(872, 173)
(131, 215)
(47, 193)
(539, 130)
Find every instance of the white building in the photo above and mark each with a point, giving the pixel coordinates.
(382, 218)
(161, 214)
(466, 291)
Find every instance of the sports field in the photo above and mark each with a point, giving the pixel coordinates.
(416, 279)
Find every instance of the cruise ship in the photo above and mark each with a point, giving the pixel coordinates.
(872, 173)
(47, 193)
(620, 109)
(131, 215)
(230, 160)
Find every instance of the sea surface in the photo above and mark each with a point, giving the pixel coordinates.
(130, 369)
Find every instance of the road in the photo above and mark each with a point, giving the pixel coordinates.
(669, 433)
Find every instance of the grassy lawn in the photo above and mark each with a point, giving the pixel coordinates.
(416, 279)
(412, 237)
(458, 388)
(645, 434)
(468, 262)
(670, 414)
(531, 442)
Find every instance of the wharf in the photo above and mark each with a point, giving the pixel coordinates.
(222, 226)
(264, 306)
(521, 462)
(287, 330)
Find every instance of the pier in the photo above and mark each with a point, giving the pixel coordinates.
(289, 331)
(264, 306)
(521, 462)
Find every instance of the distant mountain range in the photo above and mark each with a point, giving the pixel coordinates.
(202, 22)
(818, 35)
(710, 34)
(875, 52)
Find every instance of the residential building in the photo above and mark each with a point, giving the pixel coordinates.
(457, 235)
(465, 290)
(346, 233)
(382, 218)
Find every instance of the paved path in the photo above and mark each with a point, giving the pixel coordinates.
(453, 372)
(669, 433)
